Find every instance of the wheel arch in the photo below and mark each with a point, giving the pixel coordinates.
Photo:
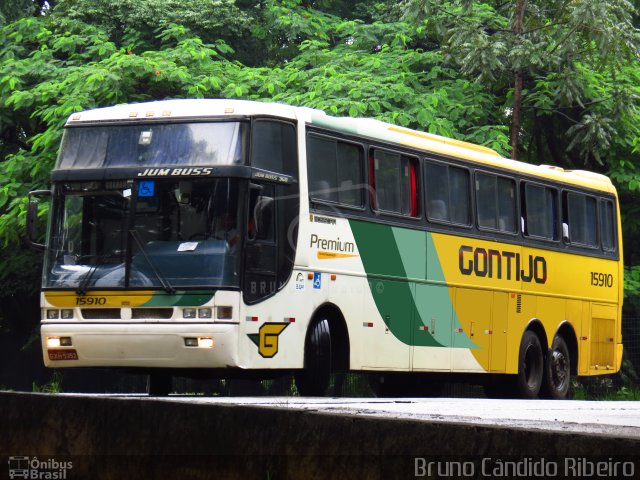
(567, 332)
(535, 325)
(338, 331)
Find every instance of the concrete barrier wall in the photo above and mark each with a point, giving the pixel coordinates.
(120, 438)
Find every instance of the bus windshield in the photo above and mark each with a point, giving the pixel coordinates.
(165, 233)
(187, 144)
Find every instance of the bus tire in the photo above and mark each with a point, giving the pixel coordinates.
(313, 379)
(557, 370)
(159, 384)
(530, 366)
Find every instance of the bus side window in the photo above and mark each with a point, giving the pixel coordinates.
(448, 193)
(540, 211)
(335, 171)
(579, 214)
(607, 225)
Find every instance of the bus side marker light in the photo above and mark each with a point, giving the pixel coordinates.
(424, 328)
(333, 276)
(367, 324)
(488, 332)
(290, 319)
(458, 330)
(584, 338)
(310, 276)
(252, 319)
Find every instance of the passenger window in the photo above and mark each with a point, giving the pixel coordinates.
(579, 219)
(335, 171)
(395, 183)
(448, 196)
(607, 225)
(540, 212)
(496, 202)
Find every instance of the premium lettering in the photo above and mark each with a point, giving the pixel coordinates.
(333, 245)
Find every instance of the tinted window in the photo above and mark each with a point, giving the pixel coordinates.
(448, 197)
(580, 219)
(540, 212)
(273, 147)
(607, 225)
(395, 183)
(335, 171)
(496, 202)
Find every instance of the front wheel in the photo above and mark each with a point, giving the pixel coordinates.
(314, 379)
(557, 370)
(530, 366)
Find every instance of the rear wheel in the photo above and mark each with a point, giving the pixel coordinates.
(314, 379)
(159, 384)
(557, 370)
(530, 366)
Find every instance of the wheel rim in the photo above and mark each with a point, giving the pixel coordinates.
(559, 369)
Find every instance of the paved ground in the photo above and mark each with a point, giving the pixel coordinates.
(612, 418)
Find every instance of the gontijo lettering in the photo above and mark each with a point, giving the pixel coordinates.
(491, 263)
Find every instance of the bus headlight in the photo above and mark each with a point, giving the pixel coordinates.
(53, 314)
(224, 313)
(189, 313)
(66, 313)
(204, 313)
(53, 342)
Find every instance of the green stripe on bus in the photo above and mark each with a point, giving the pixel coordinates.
(408, 285)
(182, 298)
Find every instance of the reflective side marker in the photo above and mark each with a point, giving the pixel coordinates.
(290, 319)
(252, 319)
(458, 330)
(424, 328)
(367, 324)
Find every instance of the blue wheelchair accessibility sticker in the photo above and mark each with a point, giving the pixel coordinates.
(146, 188)
(317, 279)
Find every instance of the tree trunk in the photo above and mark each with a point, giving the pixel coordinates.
(517, 86)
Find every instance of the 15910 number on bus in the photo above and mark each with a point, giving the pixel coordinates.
(599, 279)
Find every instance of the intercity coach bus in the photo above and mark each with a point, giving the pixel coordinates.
(243, 238)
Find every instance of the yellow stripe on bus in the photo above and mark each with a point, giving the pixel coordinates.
(331, 255)
(97, 299)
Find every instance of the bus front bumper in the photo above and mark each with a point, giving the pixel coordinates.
(140, 345)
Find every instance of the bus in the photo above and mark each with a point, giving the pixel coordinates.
(236, 238)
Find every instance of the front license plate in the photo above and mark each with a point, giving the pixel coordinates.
(63, 355)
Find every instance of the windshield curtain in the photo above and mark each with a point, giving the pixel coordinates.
(165, 233)
(190, 144)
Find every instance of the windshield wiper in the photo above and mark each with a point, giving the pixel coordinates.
(163, 281)
(84, 281)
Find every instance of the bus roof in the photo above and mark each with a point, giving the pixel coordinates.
(366, 127)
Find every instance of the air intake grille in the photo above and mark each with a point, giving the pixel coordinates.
(141, 313)
(100, 313)
(518, 303)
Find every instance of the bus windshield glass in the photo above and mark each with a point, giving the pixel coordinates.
(190, 144)
(166, 233)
